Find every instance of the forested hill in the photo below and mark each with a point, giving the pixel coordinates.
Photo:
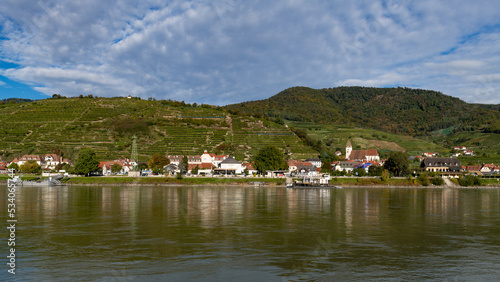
(397, 110)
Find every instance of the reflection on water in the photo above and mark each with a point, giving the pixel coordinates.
(248, 234)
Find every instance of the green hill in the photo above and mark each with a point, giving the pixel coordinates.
(107, 125)
(324, 120)
(405, 111)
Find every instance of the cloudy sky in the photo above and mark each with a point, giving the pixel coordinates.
(229, 51)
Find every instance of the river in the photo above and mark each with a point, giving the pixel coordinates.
(253, 234)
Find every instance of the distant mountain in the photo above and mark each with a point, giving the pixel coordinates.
(397, 110)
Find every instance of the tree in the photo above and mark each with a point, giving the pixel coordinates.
(116, 168)
(30, 167)
(359, 172)
(375, 170)
(397, 163)
(143, 166)
(384, 175)
(326, 167)
(270, 158)
(423, 178)
(14, 166)
(195, 170)
(87, 162)
(183, 166)
(158, 162)
(63, 166)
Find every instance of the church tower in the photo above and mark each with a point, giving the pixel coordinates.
(348, 149)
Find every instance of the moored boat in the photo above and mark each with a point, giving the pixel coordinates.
(51, 181)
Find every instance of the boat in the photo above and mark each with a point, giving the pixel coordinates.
(310, 182)
(298, 185)
(51, 181)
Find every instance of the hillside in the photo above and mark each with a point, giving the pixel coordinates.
(405, 111)
(107, 125)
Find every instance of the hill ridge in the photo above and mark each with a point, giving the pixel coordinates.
(398, 110)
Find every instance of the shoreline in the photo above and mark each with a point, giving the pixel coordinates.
(271, 184)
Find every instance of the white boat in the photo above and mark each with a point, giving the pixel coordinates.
(51, 181)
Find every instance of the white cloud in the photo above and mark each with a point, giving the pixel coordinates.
(233, 50)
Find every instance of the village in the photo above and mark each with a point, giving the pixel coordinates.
(353, 163)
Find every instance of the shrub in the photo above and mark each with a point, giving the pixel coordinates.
(385, 175)
(438, 181)
(469, 180)
(423, 178)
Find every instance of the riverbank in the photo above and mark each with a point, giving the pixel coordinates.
(236, 181)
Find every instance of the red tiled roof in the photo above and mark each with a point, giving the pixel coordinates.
(110, 163)
(201, 166)
(473, 167)
(361, 154)
(249, 166)
(31, 157)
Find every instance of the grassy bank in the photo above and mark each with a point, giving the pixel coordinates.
(358, 181)
(337, 181)
(169, 180)
(4, 177)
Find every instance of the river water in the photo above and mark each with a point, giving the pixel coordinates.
(253, 234)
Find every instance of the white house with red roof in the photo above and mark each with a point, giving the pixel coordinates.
(250, 168)
(48, 161)
(206, 162)
(3, 167)
(468, 153)
(126, 166)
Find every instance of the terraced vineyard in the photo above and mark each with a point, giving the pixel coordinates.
(107, 125)
(336, 136)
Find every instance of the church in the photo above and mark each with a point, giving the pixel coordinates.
(360, 155)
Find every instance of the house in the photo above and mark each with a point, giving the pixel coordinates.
(360, 155)
(347, 166)
(229, 166)
(338, 153)
(51, 161)
(468, 153)
(460, 148)
(3, 167)
(430, 154)
(203, 168)
(205, 158)
(307, 169)
(48, 161)
(314, 161)
(294, 165)
(490, 166)
(250, 168)
(172, 168)
(441, 165)
(496, 170)
(212, 158)
(126, 166)
(22, 160)
(476, 169)
(485, 170)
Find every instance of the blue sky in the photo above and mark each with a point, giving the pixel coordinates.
(229, 51)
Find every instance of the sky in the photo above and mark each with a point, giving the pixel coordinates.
(230, 51)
